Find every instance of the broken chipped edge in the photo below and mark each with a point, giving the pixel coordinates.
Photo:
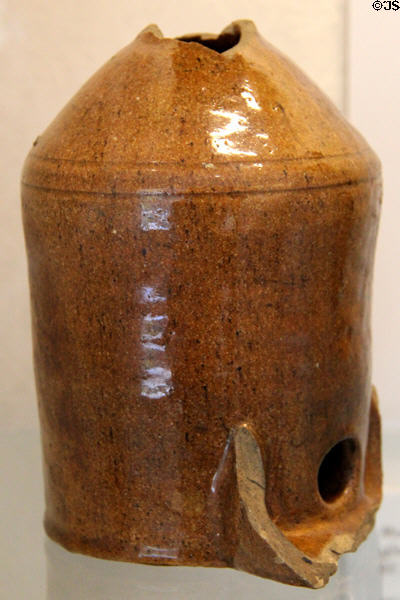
(278, 557)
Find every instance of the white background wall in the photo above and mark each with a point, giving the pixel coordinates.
(48, 49)
(374, 108)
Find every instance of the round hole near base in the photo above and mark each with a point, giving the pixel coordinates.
(336, 470)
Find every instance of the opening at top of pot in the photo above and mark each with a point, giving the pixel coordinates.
(221, 43)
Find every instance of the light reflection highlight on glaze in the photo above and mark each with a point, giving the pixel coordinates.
(156, 380)
(263, 136)
(248, 96)
(231, 137)
(218, 472)
(156, 552)
(157, 384)
(153, 217)
(221, 138)
(153, 327)
(149, 294)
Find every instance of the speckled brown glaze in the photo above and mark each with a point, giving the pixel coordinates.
(200, 227)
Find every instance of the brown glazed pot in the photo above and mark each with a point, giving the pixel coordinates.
(200, 224)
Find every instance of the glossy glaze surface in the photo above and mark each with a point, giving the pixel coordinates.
(200, 230)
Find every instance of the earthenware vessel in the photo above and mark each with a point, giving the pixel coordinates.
(200, 224)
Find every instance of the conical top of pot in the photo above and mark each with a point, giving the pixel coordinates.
(203, 113)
